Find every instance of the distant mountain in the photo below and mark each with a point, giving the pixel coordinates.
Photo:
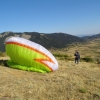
(91, 37)
(53, 40)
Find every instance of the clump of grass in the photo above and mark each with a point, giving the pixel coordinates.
(82, 90)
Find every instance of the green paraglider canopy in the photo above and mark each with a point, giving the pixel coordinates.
(30, 56)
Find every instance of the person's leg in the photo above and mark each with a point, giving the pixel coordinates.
(75, 60)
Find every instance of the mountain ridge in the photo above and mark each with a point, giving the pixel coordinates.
(51, 40)
(95, 36)
(48, 40)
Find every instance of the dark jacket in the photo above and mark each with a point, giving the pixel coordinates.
(77, 55)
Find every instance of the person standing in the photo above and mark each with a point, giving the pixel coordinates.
(77, 57)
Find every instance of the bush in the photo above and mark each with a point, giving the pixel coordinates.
(60, 55)
(63, 56)
(2, 54)
(98, 61)
(3, 62)
(87, 59)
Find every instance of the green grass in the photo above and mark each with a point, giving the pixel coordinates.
(82, 90)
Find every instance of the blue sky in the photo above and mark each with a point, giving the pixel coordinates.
(75, 17)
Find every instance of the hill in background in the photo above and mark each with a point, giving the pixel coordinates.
(89, 50)
(49, 41)
(70, 82)
(91, 37)
(53, 40)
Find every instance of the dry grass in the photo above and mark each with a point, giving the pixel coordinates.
(89, 49)
(69, 82)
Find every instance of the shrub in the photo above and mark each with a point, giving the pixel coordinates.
(87, 59)
(98, 61)
(63, 56)
(2, 54)
(60, 55)
(3, 62)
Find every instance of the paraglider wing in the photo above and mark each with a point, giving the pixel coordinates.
(28, 55)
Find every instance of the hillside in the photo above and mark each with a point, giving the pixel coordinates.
(88, 49)
(53, 40)
(91, 37)
(69, 82)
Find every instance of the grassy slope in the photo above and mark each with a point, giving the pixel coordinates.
(90, 49)
(69, 82)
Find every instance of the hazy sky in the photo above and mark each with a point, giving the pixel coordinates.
(75, 17)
